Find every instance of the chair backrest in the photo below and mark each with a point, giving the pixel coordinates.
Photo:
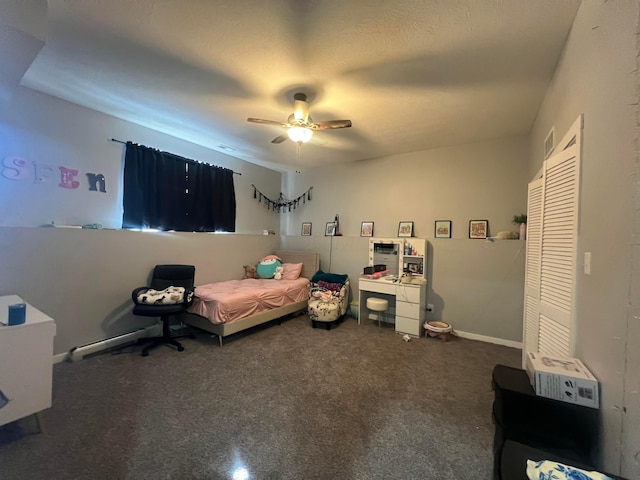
(173, 275)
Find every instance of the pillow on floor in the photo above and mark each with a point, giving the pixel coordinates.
(557, 471)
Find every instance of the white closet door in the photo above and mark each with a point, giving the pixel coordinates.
(532, 267)
(558, 253)
(551, 260)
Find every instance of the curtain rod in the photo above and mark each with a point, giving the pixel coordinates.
(124, 143)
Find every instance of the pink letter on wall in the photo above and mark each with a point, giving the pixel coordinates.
(66, 178)
(16, 168)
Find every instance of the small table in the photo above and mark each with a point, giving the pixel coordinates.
(565, 430)
(26, 362)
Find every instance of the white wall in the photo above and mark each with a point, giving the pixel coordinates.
(475, 285)
(83, 278)
(598, 76)
(39, 128)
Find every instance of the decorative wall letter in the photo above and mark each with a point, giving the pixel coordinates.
(94, 179)
(16, 168)
(66, 178)
(43, 172)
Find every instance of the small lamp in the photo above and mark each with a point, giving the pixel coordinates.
(300, 134)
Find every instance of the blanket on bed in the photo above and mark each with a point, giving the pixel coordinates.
(224, 302)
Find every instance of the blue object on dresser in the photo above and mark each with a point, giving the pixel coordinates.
(17, 314)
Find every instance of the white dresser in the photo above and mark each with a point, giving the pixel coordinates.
(407, 300)
(26, 362)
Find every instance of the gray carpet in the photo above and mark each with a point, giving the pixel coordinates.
(284, 401)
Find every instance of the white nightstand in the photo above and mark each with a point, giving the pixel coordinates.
(26, 362)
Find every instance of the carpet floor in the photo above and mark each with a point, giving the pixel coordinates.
(277, 402)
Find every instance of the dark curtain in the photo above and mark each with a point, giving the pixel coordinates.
(167, 192)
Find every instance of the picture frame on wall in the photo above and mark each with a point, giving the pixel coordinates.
(405, 229)
(478, 228)
(306, 229)
(366, 229)
(330, 229)
(442, 229)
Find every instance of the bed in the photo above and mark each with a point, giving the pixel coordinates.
(252, 302)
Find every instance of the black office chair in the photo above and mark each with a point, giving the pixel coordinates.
(165, 276)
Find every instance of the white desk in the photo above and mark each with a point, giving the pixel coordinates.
(26, 362)
(408, 300)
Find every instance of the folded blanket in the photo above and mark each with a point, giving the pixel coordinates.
(322, 295)
(168, 296)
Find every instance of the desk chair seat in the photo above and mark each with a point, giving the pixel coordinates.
(165, 276)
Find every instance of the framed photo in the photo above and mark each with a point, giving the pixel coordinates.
(414, 268)
(442, 229)
(330, 229)
(366, 229)
(405, 229)
(306, 229)
(478, 228)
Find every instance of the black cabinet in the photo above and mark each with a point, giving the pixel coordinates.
(562, 429)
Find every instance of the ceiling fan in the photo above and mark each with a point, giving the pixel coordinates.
(300, 126)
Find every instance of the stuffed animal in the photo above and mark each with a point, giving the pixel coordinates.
(267, 266)
(278, 274)
(250, 271)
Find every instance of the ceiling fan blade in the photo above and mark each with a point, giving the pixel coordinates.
(267, 122)
(331, 124)
(280, 139)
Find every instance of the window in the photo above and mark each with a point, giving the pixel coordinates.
(164, 191)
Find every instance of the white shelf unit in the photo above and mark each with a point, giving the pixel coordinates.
(407, 300)
(414, 262)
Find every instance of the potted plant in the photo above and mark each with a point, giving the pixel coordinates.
(522, 221)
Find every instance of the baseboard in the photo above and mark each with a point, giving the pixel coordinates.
(487, 339)
(61, 357)
(77, 353)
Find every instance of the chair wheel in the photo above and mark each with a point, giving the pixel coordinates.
(180, 349)
(192, 336)
(145, 354)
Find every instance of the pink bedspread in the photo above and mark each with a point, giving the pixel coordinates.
(224, 302)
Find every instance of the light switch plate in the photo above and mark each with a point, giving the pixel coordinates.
(587, 263)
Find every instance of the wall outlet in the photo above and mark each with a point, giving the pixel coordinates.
(429, 307)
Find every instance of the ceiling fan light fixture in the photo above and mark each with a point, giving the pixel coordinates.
(300, 134)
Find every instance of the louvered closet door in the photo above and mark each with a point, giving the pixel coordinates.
(551, 261)
(558, 259)
(532, 267)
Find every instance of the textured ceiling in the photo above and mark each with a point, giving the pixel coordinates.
(410, 74)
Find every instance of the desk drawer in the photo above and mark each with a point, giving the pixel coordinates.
(405, 293)
(379, 286)
(408, 325)
(406, 309)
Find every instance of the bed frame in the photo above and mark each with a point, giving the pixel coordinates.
(310, 265)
